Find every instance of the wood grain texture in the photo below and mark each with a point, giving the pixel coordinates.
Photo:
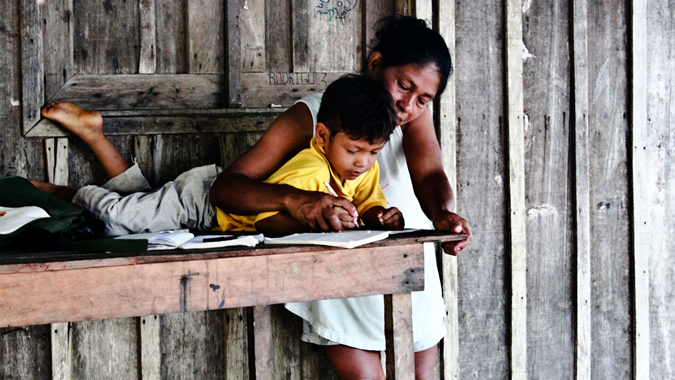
(301, 31)
(150, 347)
(236, 341)
(283, 88)
(32, 69)
(398, 330)
(548, 191)
(176, 154)
(148, 30)
(105, 349)
(516, 175)
(611, 343)
(447, 123)
(106, 38)
(25, 351)
(252, 27)
(206, 36)
(481, 176)
(172, 53)
(654, 196)
(57, 31)
(579, 118)
(374, 10)
(128, 92)
(278, 36)
(233, 56)
(334, 42)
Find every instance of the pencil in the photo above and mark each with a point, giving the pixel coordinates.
(330, 189)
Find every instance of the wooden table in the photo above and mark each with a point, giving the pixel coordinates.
(65, 286)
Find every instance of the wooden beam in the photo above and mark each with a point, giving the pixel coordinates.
(32, 65)
(399, 334)
(582, 190)
(517, 214)
(148, 55)
(233, 54)
(446, 116)
(642, 229)
(182, 286)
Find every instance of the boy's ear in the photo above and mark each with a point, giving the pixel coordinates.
(322, 134)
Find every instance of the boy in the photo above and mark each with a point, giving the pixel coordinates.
(360, 119)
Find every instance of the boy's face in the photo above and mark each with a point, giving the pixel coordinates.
(349, 158)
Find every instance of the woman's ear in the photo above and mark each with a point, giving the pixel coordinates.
(374, 61)
(322, 134)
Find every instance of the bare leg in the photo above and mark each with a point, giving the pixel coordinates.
(63, 192)
(353, 363)
(88, 126)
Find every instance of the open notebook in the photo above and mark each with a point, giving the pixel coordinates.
(184, 239)
(345, 239)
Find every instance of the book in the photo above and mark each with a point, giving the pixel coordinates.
(184, 239)
(345, 239)
(13, 218)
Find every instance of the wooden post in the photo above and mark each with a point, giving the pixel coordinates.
(32, 63)
(517, 217)
(233, 54)
(398, 330)
(148, 60)
(641, 207)
(582, 190)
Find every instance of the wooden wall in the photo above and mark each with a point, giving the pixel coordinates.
(557, 128)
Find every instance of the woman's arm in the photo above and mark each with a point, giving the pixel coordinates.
(430, 182)
(240, 190)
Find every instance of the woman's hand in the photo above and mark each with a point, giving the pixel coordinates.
(449, 221)
(322, 212)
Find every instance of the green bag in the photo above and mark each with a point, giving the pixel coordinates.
(66, 225)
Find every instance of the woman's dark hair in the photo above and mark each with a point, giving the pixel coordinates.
(404, 40)
(359, 106)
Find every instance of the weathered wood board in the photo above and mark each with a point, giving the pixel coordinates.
(481, 180)
(546, 76)
(610, 254)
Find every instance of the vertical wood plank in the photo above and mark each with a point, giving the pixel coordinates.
(446, 115)
(374, 10)
(105, 349)
(57, 32)
(517, 216)
(151, 364)
(398, 330)
(206, 34)
(405, 7)
(263, 343)
(642, 204)
(278, 36)
(548, 197)
(106, 38)
(481, 180)
(424, 10)
(335, 36)
(32, 63)
(236, 344)
(62, 335)
(657, 153)
(301, 31)
(148, 28)
(172, 52)
(252, 27)
(582, 190)
(144, 147)
(233, 56)
(611, 345)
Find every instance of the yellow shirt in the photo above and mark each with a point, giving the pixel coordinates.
(307, 171)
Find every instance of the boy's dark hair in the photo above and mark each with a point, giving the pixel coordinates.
(405, 40)
(359, 106)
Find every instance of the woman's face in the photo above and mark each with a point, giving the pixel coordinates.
(412, 87)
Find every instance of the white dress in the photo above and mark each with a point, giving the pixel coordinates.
(359, 321)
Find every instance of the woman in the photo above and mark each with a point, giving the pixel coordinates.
(414, 64)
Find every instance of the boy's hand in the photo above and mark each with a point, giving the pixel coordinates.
(391, 219)
(449, 221)
(317, 210)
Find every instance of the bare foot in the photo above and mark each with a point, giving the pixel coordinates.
(62, 192)
(85, 124)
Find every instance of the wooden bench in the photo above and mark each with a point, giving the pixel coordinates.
(66, 286)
